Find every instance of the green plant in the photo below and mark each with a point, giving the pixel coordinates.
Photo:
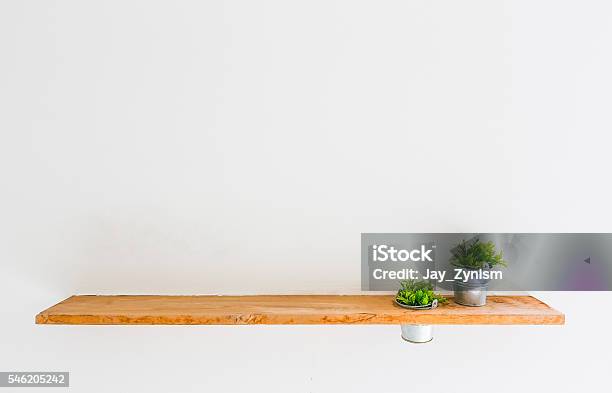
(474, 254)
(417, 293)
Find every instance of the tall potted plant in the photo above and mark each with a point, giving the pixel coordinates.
(476, 260)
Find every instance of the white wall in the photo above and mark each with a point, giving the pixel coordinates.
(243, 146)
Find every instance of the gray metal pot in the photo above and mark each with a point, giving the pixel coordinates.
(417, 334)
(472, 292)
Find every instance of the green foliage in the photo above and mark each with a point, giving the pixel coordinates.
(417, 293)
(474, 254)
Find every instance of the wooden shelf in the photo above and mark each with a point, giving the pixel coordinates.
(290, 310)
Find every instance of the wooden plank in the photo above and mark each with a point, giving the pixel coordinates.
(290, 310)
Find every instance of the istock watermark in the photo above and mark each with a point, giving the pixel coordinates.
(505, 261)
(383, 253)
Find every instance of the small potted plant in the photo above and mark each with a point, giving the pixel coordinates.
(475, 260)
(417, 295)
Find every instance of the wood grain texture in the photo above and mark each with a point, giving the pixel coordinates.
(290, 310)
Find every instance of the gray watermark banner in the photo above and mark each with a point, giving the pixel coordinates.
(39, 379)
(534, 261)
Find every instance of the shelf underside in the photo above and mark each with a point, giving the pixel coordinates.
(290, 310)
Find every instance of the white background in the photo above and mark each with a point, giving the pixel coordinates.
(243, 146)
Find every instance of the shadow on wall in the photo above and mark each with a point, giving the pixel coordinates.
(146, 251)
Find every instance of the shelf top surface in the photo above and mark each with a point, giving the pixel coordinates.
(290, 310)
